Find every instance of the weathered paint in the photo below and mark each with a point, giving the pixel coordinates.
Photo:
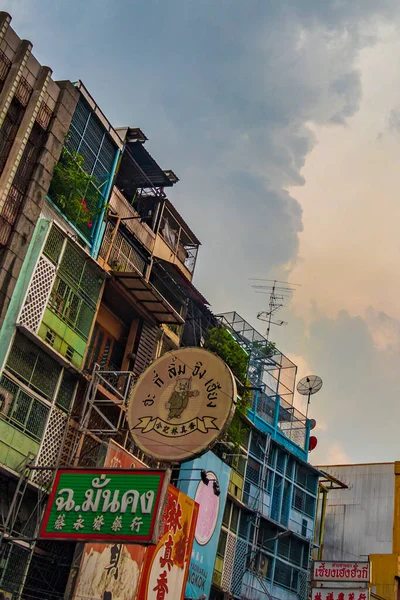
(15, 446)
(359, 520)
(363, 520)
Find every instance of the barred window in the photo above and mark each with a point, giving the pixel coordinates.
(33, 366)
(26, 412)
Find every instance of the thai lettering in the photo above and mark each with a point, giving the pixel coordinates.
(130, 498)
(111, 504)
(93, 504)
(157, 379)
(146, 502)
(197, 370)
(67, 503)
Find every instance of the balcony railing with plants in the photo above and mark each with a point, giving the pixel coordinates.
(77, 194)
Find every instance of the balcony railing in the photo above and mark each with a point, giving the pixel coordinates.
(179, 240)
(117, 251)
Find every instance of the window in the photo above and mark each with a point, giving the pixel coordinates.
(222, 544)
(76, 288)
(104, 350)
(230, 519)
(303, 502)
(33, 367)
(253, 473)
(286, 576)
(257, 444)
(66, 391)
(26, 412)
(280, 461)
(267, 531)
(293, 550)
(306, 478)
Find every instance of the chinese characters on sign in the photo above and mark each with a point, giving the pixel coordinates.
(110, 570)
(339, 594)
(165, 568)
(105, 504)
(341, 571)
(188, 395)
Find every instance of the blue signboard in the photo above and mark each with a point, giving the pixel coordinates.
(208, 528)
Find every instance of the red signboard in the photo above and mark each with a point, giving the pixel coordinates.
(166, 565)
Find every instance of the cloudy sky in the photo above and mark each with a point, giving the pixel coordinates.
(282, 121)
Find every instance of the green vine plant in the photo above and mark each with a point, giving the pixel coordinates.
(221, 342)
(74, 190)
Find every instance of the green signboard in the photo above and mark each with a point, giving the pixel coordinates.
(119, 505)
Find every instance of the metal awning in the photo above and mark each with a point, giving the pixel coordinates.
(177, 274)
(150, 298)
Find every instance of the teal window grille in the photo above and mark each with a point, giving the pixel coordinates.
(76, 288)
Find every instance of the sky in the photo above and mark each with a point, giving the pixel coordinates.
(282, 121)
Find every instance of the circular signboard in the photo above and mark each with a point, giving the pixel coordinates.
(181, 404)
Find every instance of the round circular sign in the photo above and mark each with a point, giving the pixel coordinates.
(208, 510)
(181, 404)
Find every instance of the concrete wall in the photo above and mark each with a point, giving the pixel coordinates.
(60, 98)
(359, 520)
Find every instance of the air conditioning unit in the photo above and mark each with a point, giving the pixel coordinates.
(263, 565)
(6, 399)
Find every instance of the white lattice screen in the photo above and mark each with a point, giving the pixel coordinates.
(228, 562)
(38, 294)
(51, 446)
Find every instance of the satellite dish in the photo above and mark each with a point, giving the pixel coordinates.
(312, 444)
(313, 423)
(309, 385)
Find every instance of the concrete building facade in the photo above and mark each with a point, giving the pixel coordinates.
(362, 521)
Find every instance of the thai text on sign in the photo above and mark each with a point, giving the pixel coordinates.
(106, 504)
(339, 594)
(341, 571)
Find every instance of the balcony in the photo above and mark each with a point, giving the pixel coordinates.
(121, 254)
(176, 243)
(131, 219)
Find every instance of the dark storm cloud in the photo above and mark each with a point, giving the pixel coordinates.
(224, 90)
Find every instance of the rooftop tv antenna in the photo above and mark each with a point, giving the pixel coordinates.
(309, 385)
(278, 292)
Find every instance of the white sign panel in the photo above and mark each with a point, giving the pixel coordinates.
(339, 594)
(341, 571)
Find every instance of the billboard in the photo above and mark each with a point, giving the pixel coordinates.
(208, 528)
(111, 505)
(341, 571)
(181, 404)
(111, 571)
(165, 567)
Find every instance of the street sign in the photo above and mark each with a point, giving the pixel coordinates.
(340, 594)
(113, 505)
(341, 571)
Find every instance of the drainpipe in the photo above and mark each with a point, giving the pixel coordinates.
(99, 229)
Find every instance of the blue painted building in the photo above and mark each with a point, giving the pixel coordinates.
(267, 529)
